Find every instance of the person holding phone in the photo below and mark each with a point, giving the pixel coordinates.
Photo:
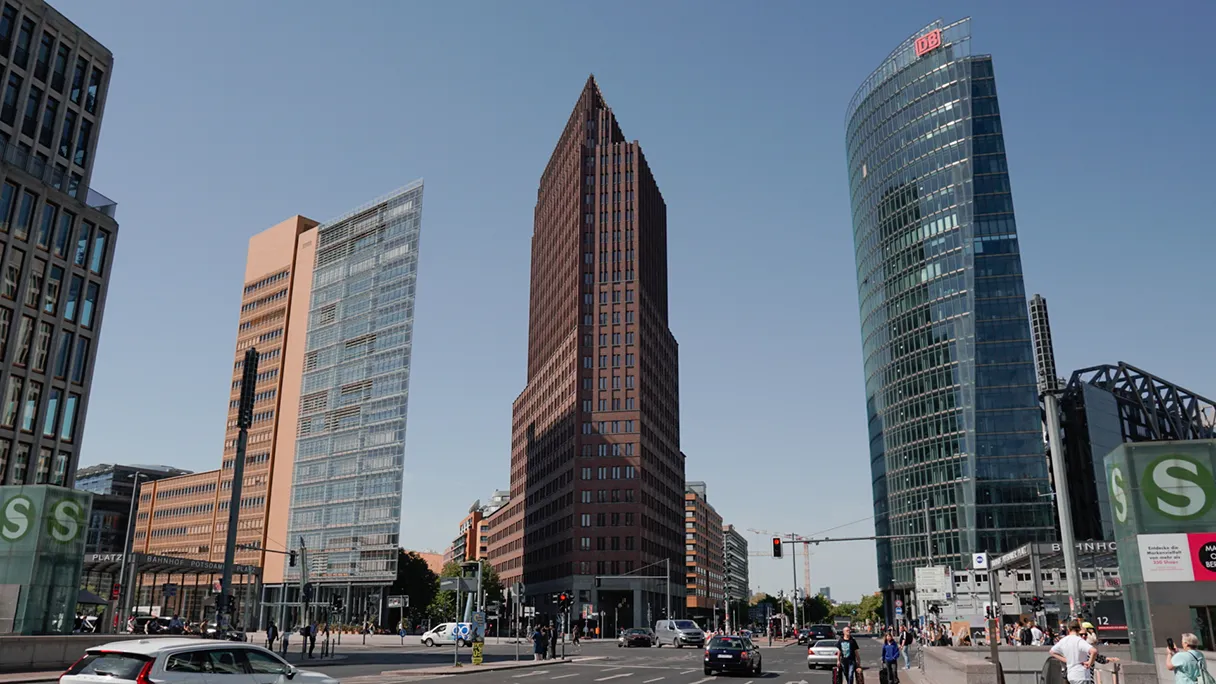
(1077, 654)
(1188, 664)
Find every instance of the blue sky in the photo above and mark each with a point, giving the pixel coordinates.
(224, 118)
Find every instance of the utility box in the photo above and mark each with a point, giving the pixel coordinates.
(1163, 503)
(42, 537)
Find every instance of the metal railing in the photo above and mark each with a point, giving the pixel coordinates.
(57, 177)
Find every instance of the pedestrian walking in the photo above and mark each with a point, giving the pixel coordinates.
(538, 644)
(285, 640)
(312, 638)
(890, 661)
(906, 639)
(272, 633)
(848, 656)
(553, 637)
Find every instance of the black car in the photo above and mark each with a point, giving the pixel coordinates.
(817, 632)
(638, 636)
(804, 635)
(732, 654)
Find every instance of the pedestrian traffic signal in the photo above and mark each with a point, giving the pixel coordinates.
(291, 559)
(1036, 603)
(563, 600)
(776, 547)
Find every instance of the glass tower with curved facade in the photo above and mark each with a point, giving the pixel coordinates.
(954, 421)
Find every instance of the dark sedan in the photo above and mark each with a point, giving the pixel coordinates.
(636, 637)
(818, 632)
(732, 654)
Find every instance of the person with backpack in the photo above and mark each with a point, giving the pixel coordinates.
(1188, 664)
(906, 639)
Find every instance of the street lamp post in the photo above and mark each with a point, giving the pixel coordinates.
(123, 586)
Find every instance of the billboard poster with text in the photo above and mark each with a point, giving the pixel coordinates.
(1178, 557)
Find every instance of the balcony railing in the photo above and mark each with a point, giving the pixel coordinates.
(57, 177)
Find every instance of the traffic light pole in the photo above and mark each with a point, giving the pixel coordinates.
(244, 418)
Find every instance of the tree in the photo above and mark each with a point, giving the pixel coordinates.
(846, 610)
(443, 606)
(817, 608)
(416, 580)
(870, 607)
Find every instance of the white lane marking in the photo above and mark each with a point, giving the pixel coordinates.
(531, 674)
(702, 681)
(577, 674)
(616, 676)
(648, 681)
(687, 672)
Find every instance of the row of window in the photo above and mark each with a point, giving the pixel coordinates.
(616, 472)
(71, 357)
(616, 382)
(608, 449)
(21, 213)
(606, 496)
(603, 405)
(195, 509)
(603, 519)
(609, 427)
(50, 468)
(605, 567)
(607, 544)
(268, 280)
(616, 361)
(589, 278)
(24, 400)
(616, 338)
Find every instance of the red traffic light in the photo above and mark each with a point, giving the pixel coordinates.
(776, 547)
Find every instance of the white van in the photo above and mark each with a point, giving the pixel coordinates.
(440, 634)
(678, 633)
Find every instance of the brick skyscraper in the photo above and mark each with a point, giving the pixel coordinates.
(597, 476)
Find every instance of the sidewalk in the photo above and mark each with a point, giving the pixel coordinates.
(23, 677)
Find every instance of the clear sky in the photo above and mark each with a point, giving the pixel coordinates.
(224, 118)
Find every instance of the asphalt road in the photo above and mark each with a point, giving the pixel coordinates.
(782, 665)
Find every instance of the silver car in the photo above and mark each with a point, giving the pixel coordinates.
(822, 653)
(171, 660)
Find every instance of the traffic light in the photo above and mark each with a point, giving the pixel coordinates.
(291, 559)
(776, 547)
(563, 600)
(1036, 603)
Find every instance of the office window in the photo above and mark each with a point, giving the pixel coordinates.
(52, 413)
(74, 184)
(629, 382)
(8, 109)
(43, 64)
(12, 274)
(47, 225)
(81, 158)
(585, 520)
(98, 258)
(586, 473)
(67, 428)
(33, 290)
(6, 322)
(7, 21)
(12, 401)
(80, 363)
(6, 448)
(600, 544)
(586, 496)
(25, 339)
(21, 56)
(59, 74)
(59, 474)
(29, 415)
(628, 338)
(63, 234)
(69, 308)
(33, 105)
(82, 66)
(54, 284)
(7, 194)
(21, 463)
(63, 353)
(584, 544)
(65, 138)
(25, 215)
(90, 100)
(629, 404)
(46, 134)
(42, 346)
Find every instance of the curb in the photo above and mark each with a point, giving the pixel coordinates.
(24, 677)
(466, 669)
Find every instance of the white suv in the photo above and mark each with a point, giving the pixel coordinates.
(185, 661)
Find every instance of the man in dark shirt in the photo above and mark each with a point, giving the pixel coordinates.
(848, 655)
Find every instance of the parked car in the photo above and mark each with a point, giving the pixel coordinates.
(171, 660)
(678, 633)
(732, 654)
(822, 653)
(638, 636)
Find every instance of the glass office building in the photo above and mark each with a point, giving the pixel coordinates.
(953, 411)
(349, 461)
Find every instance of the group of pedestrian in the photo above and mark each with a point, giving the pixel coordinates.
(544, 643)
(308, 632)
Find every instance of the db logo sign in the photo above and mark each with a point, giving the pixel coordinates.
(928, 42)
